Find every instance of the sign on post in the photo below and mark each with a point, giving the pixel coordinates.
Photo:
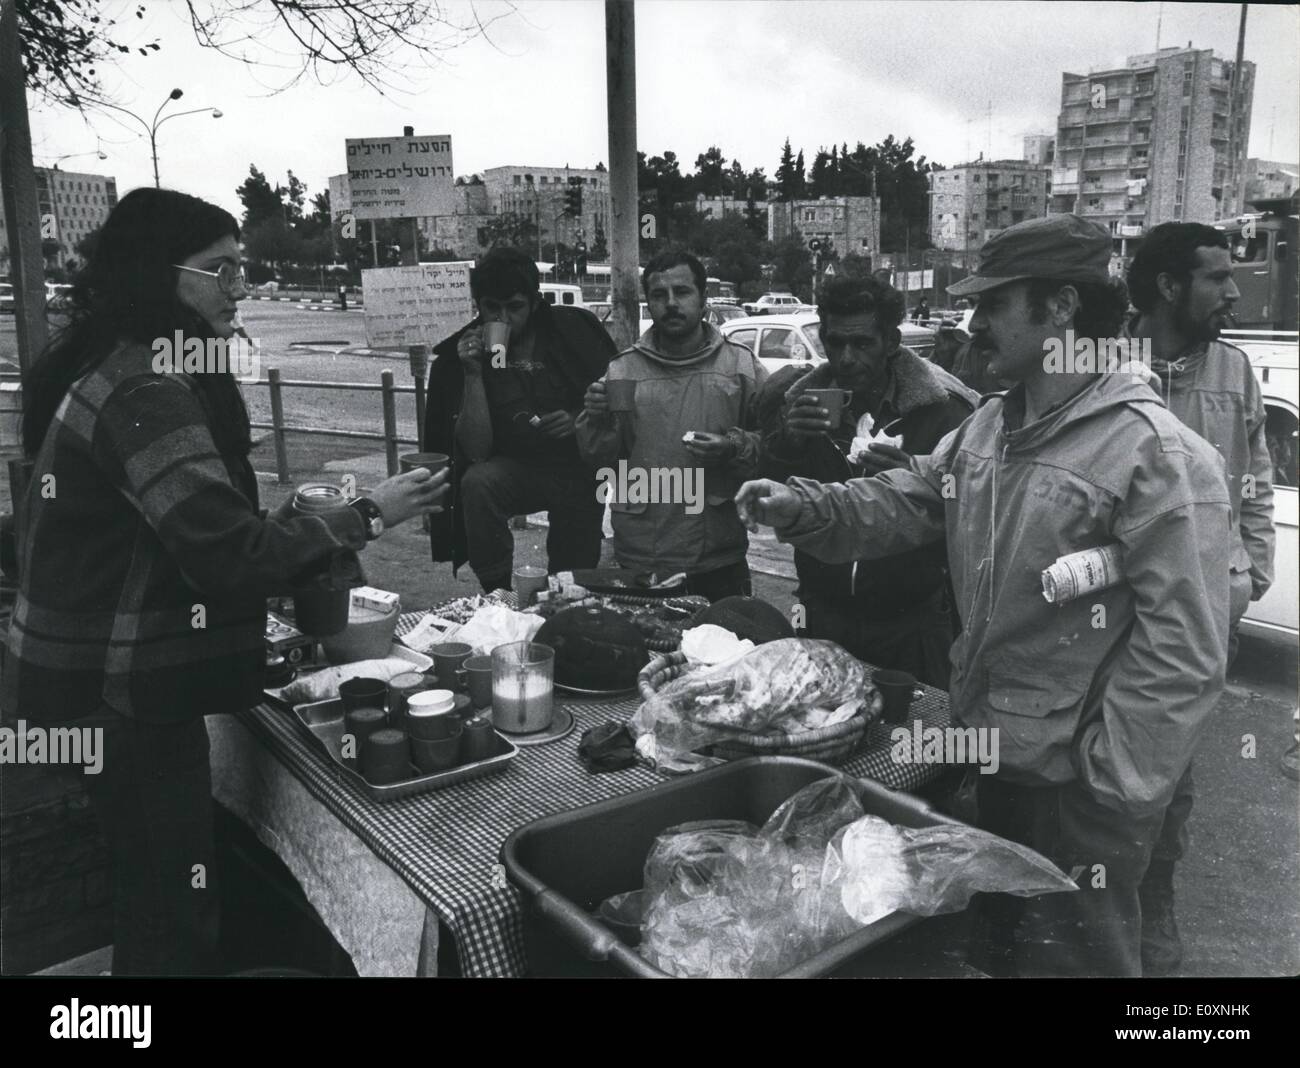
(417, 305)
(400, 177)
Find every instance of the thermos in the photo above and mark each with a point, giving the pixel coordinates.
(318, 611)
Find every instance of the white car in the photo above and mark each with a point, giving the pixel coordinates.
(1277, 367)
(781, 340)
(779, 303)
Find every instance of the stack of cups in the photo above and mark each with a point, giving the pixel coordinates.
(435, 729)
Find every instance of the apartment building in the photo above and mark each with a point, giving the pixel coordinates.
(971, 202)
(1157, 140)
(1267, 179)
(1040, 148)
(539, 193)
(849, 224)
(72, 206)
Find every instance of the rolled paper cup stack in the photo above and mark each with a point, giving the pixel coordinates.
(1082, 573)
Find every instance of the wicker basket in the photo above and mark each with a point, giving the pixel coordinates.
(829, 744)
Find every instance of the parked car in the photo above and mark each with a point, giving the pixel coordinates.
(718, 312)
(1277, 367)
(779, 303)
(560, 293)
(779, 340)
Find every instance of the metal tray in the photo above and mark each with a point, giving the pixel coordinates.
(419, 662)
(323, 720)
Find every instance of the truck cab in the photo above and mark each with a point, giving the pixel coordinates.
(1263, 248)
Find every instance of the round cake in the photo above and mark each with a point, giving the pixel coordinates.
(595, 649)
(748, 617)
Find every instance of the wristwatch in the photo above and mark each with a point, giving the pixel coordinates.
(370, 515)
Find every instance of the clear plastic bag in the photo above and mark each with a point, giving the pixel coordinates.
(726, 899)
(791, 684)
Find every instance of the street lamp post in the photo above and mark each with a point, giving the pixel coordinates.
(152, 128)
(99, 152)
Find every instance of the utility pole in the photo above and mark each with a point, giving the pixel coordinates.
(21, 207)
(1234, 120)
(624, 235)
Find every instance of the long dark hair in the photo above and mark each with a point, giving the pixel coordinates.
(127, 292)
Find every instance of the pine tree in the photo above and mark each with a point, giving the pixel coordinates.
(785, 173)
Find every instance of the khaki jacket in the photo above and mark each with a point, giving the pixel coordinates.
(1212, 389)
(1112, 689)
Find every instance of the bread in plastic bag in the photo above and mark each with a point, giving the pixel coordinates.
(724, 899)
(792, 684)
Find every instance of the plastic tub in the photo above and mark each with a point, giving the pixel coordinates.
(567, 864)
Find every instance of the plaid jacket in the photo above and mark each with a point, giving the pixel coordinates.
(146, 563)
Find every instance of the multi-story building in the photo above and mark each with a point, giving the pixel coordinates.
(539, 194)
(1040, 148)
(1269, 180)
(971, 202)
(717, 207)
(1158, 140)
(72, 205)
(462, 231)
(849, 224)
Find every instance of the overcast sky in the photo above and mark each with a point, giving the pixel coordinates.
(960, 78)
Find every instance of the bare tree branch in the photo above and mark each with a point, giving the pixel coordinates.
(65, 41)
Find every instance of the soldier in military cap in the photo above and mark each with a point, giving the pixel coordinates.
(1097, 703)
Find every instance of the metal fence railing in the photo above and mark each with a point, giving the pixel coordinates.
(388, 390)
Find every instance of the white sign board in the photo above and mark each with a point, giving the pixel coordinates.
(418, 305)
(340, 195)
(400, 177)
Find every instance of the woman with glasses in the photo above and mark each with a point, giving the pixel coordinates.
(146, 562)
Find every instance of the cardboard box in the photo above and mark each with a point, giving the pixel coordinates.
(286, 640)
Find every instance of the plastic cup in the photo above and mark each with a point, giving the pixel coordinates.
(478, 680)
(833, 400)
(433, 462)
(400, 689)
(363, 693)
(528, 582)
(431, 715)
(897, 689)
(494, 335)
(621, 394)
(449, 661)
(437, 754)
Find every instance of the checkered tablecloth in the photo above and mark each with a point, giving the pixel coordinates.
(446, 844)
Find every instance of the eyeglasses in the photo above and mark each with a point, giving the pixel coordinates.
(227, 276)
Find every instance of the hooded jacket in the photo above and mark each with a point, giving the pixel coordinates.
(922, 404)
(1111, 689)
(1212, 389)
(579, 348)
(713, 390)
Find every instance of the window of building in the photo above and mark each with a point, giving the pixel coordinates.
(976, 178)
(518, 180)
